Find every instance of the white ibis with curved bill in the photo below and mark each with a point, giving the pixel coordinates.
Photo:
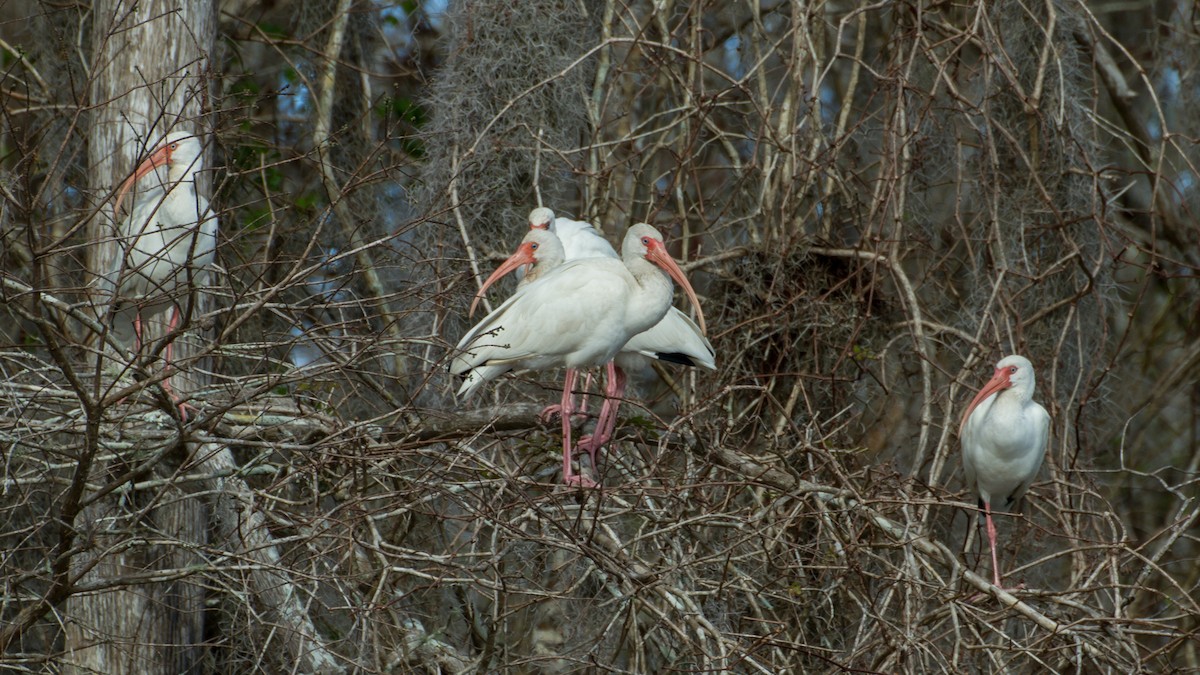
(576, 315)
(539, 252)
(1004, 433)
(674, 339)
(170, 236)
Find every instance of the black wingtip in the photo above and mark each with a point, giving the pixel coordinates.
(676, 357)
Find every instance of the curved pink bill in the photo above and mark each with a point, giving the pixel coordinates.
(159, 157)
(656, 252)
(999, 382)
(523, 256)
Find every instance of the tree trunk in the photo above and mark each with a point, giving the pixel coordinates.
(149, 61)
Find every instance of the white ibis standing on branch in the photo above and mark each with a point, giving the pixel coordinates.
(1004, 433)
(576, 315)
(170, 236)
(675, 339)
(539, 252)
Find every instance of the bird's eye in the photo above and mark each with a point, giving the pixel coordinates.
(174, 146)
(533, 247)
(645, 241)
(1012, 369)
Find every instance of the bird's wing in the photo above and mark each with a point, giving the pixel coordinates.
(490, 322)
(546, 319)
(1039, 421)
(675, 339)
(477, 377)
(580, 240)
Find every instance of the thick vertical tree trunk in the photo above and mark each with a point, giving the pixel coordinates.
(149, 65)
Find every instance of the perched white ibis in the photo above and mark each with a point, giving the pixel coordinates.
(539, 252)
(170, 235)
(675, 339)
(576, 315)
(1004, 433)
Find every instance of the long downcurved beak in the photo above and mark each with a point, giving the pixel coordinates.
(656, 253)
(159, 157)
(999, 382)
(523, 256)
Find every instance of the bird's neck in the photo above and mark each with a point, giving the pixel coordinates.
(1018, 395)
(1013, 399)
(539, 268)
(165, 184)
(652, 293)
(182, 175)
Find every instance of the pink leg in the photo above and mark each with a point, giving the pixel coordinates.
(171, 326)
(587, 385)
(991, 532)
(166, 383)
(569, 476)
(137, 330)
(556, 409)
(613, 391)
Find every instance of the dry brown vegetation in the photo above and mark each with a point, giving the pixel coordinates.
(875, 200)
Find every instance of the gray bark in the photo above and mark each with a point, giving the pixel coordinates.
(148, 65)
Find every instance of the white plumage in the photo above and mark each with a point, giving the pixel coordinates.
(169, 239)
(539, 252)
(676, 338)
(170, 230)
(579, 314)
(579, 239)
(1004, 434)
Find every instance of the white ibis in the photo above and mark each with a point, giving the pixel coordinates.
(539, 252)
(576, 315)
(170, 235)
(675, 339)
(1004, 433)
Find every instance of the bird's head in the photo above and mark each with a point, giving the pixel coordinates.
(644, 241)
(179, 152)
(539, 249)
(541, 218)
(1011, 372)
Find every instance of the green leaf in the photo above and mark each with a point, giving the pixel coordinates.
(307, 201)
(272, 30)
(403, 108)
(256, 218)
(245, 88)
(413, 147)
